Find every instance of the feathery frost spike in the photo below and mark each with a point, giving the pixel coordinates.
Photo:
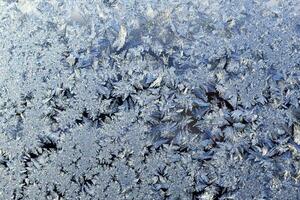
(120, 41)
(157, 82)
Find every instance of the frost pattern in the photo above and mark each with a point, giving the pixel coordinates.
(118, 99)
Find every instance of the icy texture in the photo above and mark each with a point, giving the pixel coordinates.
(173, 99)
